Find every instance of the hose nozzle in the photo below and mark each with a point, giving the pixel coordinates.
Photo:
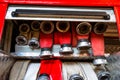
(100, 28)
(83, 28)
(47, 27)
(63, 26)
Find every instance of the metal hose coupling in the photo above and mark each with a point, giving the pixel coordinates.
(35, 25)
(76, 77)
(100, 27)
(33, 42)
(100, 61)
(46, 53)
(83, 28)
(63, 26)
(101, 70)
(103, 75)
(22, 39)
(83, 44)
(24, 28)
(47, 27)
(43, 77)
(66, 49)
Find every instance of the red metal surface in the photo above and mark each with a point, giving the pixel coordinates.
(53, 68)
(3, 8)
(97, 42)
(117, 14)
(67, 2)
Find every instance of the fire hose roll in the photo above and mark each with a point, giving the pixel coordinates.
(63, 26)
(83, 28)
(47, 27)
(100, 28)
(35, 25)
(24, 28)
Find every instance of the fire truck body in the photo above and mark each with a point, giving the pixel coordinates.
(70, 39)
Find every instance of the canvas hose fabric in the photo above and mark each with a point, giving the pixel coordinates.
(19, 69)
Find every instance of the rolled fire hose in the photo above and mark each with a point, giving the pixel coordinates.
(32, 71)
(63, 26)
(35, 25)
(100, 28)
(78, 71)
(64, 36)
(23, 37)
(24, 28)
(6, 63)
(47, 27)
(83, 29)
(19, 69)
(33, 42)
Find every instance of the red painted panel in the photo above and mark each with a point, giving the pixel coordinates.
(115, 2)
(66, 2)
(3, 8)
(97, 42)
(117, 14)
